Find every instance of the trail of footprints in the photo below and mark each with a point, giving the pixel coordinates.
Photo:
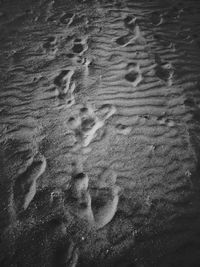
(163, 70)
(86, 125)
(79, 199)
(63, 82)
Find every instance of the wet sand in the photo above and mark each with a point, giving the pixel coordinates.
(99, 133)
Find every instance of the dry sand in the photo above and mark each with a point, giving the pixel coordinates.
(99, 133)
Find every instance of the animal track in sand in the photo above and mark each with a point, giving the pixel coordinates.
(86, 124)
(65, 86)
(133, 37)
(130, 22)
(82, 203)
(67, 18)
(105, 213)
(79, 46)
(25, 185)
(124, 40)
(134, 74)
(63, 77)
(164, 71)
(156, 18)
(50, 44)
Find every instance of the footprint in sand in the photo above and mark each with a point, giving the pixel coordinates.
(63, 80)
(82, 203)
(25, 185)
(124, 40)
(130, 22)
(50, 44)
(87, 123)
(134, 37)
(67, 18)
(65, 86)
(105, 212)
(79, 46)
(134, 74)
(156, 18)
(164, 70)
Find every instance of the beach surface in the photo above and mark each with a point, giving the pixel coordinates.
(99, 133)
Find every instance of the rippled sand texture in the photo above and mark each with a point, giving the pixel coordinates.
(99, 133)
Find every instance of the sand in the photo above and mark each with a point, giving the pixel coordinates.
(99, 133)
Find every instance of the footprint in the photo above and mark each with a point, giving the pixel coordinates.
(50, 44)
(61, 78)
(77, 48)
(123, 40)
(82, 206)
(90, 133)
(135, 37)
(134, 74)
(63, 82)
(25, 185)
(78, 20)
(156, 18)
(164, 71)
(67, 18)
(130, 22)
(86, 124)
(105, 213)
(80, 46)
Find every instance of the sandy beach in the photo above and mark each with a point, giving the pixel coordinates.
(99, 133)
